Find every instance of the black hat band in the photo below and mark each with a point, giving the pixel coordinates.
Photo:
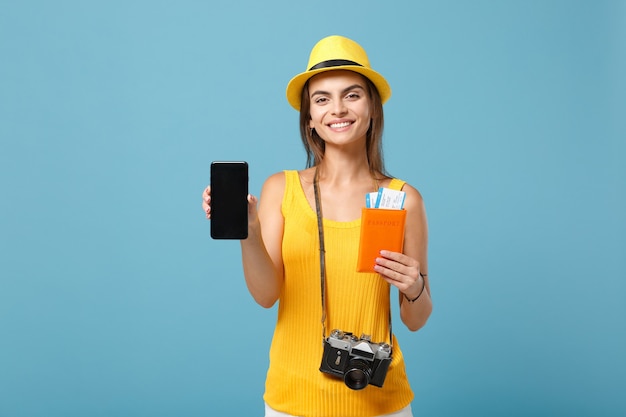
(334, 63)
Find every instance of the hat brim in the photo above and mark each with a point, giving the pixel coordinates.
(295, 86)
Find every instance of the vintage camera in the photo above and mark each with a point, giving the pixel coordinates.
(357, 360)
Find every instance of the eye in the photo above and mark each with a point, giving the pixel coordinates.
(320, 100)
(353, 96)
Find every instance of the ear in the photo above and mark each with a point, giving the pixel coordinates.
(311, 125)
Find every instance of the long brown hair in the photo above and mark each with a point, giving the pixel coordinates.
(314, 145)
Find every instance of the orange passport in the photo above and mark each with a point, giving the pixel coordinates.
(380, 229)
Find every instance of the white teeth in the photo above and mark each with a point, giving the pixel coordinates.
(339, 125)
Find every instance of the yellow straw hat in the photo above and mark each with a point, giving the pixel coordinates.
(333, 53)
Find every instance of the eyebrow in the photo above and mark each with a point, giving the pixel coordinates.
(345, 90)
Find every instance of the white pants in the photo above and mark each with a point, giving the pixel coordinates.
(405, 412)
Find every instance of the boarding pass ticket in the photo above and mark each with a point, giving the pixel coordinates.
(385, 198)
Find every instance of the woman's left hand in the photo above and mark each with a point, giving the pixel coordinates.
(401, 271)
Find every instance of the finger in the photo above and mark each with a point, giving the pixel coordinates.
(399, 284)
(396, 256)
(401, 281)
(400, 258)
(206, 194)
(396, 273)
(252, 206)
(389, 273)
(206, 203)
(391, 264)
(386, 264)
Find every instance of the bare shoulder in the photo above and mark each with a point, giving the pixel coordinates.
(273, 189)
(414, 198)
(275, 182)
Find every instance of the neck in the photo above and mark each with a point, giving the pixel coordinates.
(336, 170)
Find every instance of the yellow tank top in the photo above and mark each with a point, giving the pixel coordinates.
(356, 302)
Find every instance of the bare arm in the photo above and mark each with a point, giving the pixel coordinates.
(261, 252)
(408, 271)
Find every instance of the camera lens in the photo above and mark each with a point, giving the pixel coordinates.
(358, 374)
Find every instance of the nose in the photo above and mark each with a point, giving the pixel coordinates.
(339, 108)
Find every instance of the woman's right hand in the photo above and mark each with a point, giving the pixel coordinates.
(206, 201)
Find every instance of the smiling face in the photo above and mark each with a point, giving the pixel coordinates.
(339, 107)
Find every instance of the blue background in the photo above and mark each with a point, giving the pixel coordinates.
(509, 116)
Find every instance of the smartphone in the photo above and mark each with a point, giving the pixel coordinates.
(229, 200)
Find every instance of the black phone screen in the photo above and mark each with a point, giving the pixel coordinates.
(229, 200)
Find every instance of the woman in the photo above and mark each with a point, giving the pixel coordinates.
(341, 120)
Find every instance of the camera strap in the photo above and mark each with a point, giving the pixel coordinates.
(320, 229)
